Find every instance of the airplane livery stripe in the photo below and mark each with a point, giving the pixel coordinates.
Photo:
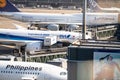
(14, 37)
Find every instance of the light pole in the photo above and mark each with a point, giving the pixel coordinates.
(84, 20)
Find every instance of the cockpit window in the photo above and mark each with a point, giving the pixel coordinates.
(63, 73)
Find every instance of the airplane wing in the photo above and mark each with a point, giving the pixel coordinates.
(40, 22)
(18, 26)
(92, 25)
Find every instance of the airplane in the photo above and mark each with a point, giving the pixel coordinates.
(15, 70)
(95, 7)
(7, 9)
(33, 40)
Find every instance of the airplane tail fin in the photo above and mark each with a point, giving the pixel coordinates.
(7, 6)
(93, 5)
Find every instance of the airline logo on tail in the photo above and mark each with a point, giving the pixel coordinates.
(2, 3)
(93, 3)
(7, 6)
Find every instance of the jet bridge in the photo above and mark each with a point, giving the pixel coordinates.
(44, 55)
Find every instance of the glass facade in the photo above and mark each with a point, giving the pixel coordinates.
(102, 3)
(48, 2)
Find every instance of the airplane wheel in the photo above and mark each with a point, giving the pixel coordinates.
(15, 51)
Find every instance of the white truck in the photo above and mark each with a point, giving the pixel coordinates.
(49, 41)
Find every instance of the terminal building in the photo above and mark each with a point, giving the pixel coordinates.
(94, 60)
(65, 3)
(53, 3)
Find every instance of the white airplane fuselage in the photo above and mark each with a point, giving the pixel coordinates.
(91, 18)
(34, 40)
(30, 71)
(37, 35)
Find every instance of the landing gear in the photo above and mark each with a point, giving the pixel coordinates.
(20, 53)
(16, 53)
(23, 53)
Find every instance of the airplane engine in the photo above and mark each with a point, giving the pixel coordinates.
(53, 27)
(71, 27)
(32, 47)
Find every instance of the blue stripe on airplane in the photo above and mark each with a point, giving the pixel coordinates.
(13, 37)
